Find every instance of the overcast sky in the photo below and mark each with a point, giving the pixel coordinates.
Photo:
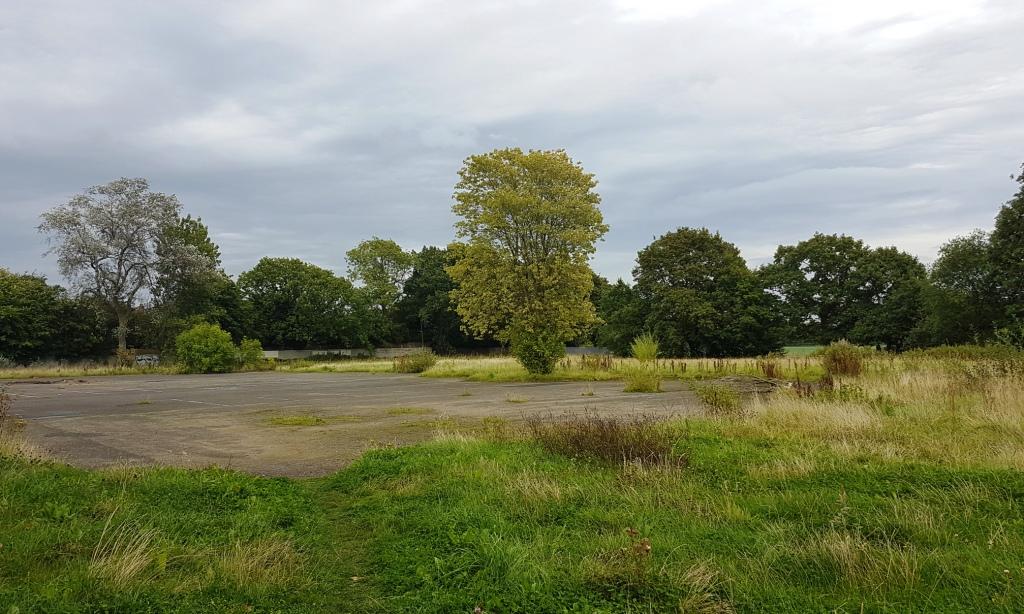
(298, 128)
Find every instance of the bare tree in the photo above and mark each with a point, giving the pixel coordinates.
(107, 239)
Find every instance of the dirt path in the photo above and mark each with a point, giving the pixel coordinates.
(233, 420)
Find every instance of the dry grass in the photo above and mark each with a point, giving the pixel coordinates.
(925, 409)
(59, 370)
(123, 554)
(636, 439)
(260, 565)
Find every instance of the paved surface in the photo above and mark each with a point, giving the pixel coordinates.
(227, 420)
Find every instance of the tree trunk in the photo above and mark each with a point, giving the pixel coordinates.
(122, 332)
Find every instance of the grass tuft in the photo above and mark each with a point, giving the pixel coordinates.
(638, 439)
(296, 421)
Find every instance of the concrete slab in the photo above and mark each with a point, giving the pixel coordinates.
(227, 420)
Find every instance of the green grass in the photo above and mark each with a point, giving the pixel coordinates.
(899, 490)
(800, 351)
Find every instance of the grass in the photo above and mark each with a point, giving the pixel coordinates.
(84, 369)
(898, 489)
(408, 411)
(296, 421)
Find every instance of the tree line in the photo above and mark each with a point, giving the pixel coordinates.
(141, 272)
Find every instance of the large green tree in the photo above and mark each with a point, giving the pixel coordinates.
(529, 222)
(701, 299)
(28, 315)
(426, 311)
(111, 242)
(961, 302)
(297, 305)
(194, 291)
(623, 316)
(382, 266)
(835, 287)
(1008, 252)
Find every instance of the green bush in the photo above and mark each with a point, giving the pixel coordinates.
(205, 348)
(842, 358)
(644, 348)
(417, 362)
(539, 353)
(250, 353)
(642, 380)
(720, 400)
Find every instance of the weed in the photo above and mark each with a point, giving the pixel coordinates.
(642, 379)
(719, 400)
(257, 566)
(417, 362)
(644, 348)
(770, 366)
(516, 398)
(643, 439)
(842, 359)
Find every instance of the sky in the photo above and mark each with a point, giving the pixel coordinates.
(297, 128)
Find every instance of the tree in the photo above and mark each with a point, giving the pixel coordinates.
(28, 315)
(529, 223)
(297, 305)
(888, 303)
(189, 292)
(382, 266)
(835, 287)
(623, 315)
(1008, 253)
(110, 242)
(426, 310)
(702, 299)
(961, 302)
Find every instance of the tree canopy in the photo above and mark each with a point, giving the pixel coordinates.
(529, 222)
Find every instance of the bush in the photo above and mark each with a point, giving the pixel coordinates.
(1011, 336)
(642, 380)
(642, 439)
(205, 348)
(539, 353)
(644, 348)
(720, 400)
(250, 353)
(417, 362)
(842, 358)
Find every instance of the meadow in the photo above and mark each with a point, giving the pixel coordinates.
(897, 486)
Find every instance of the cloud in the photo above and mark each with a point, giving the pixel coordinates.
(299, 128)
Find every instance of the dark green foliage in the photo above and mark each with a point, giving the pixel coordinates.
(834, 287)
(1008, 252)
(205, 348)
(961, 304)
(622, 315)
(28, 315)
(426, 312)
(297, 305)
(539, 352)
(417, 362)
(701, 299)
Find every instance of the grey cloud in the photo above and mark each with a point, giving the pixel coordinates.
(298, 129)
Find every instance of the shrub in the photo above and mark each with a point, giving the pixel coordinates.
(720, 400)
(1011, 336)
(644, 348)
(642, 380)
(539, 353)
(769, 366)
(205, 348)
(417, 362)
(637, 439)
(842, 358)
(250, 353)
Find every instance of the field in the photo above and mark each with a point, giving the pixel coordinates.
(898, 489)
